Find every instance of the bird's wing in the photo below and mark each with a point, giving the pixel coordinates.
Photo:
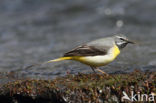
(86, 50)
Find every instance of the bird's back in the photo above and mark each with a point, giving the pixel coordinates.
(105, 43)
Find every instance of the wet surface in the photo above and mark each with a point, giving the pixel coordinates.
(37, 31)
(80, 88)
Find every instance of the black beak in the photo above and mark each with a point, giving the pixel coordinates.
(131, 42)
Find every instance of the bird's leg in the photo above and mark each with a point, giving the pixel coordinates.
(101, 71)
(93, 68)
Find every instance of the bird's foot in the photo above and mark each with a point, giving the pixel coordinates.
(102, 72)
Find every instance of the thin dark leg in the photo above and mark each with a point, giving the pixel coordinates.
(93, 68)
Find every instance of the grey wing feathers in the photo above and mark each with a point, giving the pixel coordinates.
(86, 50)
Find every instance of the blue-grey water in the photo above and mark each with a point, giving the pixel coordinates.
(34, 31)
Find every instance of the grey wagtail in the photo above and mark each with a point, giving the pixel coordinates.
(96, 53)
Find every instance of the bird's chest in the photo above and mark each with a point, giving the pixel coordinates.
(115, 51)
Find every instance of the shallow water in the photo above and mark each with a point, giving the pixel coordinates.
(37, 31)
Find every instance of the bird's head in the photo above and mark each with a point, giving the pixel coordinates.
(121, 41)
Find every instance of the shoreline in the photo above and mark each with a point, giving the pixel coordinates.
(78, 88)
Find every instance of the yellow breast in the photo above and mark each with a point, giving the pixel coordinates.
(116, 51)
(100, 60)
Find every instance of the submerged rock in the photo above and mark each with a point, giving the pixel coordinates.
(81, 88)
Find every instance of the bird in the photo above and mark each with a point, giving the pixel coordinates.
(96, 53)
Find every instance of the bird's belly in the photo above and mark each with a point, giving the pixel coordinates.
(96, 60)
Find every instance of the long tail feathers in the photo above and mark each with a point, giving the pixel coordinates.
(58, 59)
(50, 61)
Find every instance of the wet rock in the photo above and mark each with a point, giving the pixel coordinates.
(81, 88)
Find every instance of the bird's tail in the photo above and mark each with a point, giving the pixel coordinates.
(58, 59)
(50, 61)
